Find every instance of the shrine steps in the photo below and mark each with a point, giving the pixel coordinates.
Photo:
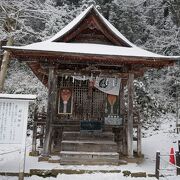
(70, 128)
(89, 146)
(88, 149)
(76, 135)
(89, 158)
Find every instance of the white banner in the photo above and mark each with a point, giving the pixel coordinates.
(106, 85)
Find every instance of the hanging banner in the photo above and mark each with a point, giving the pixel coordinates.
(108, 85)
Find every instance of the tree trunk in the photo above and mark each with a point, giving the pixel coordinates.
(4, 65)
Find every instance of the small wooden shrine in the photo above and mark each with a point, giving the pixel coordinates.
(86, 67)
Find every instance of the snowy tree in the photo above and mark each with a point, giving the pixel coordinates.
(151, 24)
(30, 21)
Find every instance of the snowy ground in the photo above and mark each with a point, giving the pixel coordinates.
(162, 140)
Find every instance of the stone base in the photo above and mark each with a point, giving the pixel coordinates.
(88, 158)
(139, 174)
(34, 153)
(43, 158)
(137, 160)
(54, 160)
(55, 172)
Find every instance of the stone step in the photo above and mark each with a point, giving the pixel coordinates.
(89, 146)
(103, 136)
(88, 158)
(71, 128)
(76, 127)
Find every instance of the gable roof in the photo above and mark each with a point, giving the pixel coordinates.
(80, 18)
(57, 51)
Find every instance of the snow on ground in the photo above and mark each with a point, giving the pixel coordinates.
(161, 139)
(95, 176)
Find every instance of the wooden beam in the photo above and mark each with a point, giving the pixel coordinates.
(68, 57)
(100, 72)
(51, 109)
(130, 116)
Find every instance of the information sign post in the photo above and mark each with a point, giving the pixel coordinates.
(13, 122)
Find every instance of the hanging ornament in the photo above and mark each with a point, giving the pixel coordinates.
(111, 99)
(65, 95)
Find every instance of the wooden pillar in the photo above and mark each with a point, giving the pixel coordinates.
(121, 97)
(34, 130)
(42, 128)
(122, 112)
(139, 153)
(51, 110)
(130, 116)
(42, 136)
(157, 165)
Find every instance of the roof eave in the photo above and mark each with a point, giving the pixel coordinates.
(115, 59)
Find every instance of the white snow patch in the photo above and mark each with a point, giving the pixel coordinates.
(162, 140)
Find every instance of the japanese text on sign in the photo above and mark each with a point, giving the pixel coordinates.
(11, 121)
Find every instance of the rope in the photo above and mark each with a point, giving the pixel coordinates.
(170, 163)
(166, 155)
(166, 169)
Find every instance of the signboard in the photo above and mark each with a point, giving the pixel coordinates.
(13, 118)
(13, 123)
(113, 120)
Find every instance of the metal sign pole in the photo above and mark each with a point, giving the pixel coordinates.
(22, 163)
(23, 145)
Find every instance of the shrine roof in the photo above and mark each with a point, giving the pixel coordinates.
(85, 48)
(114, 48)
(79, 18)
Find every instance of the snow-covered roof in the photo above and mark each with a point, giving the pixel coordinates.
(85, 48)
(79, 18)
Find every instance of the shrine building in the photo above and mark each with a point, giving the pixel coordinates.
(86, 68)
